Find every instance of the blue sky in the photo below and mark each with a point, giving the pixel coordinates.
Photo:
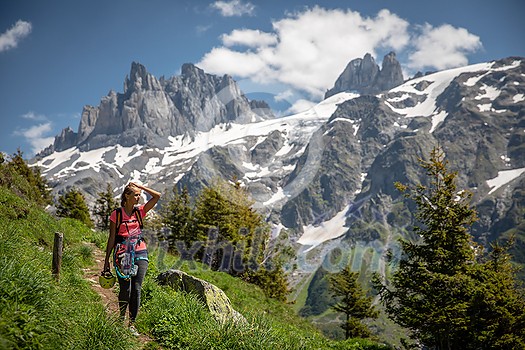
(58, 55)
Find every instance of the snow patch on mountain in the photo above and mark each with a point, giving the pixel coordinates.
(153, 166)
(68, 162)
(474, 80)
(277, 197)
(518, 98)
(436, 84)
(485, 107)
(490, 92)
(355, 124)
(124, 154)
(287, 148)
(503, 178)
(313, 235)
(437, 119)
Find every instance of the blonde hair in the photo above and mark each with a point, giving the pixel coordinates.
(127, 190)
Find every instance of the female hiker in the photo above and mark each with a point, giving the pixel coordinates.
(131, 255)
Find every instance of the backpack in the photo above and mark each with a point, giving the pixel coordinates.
(124, 252)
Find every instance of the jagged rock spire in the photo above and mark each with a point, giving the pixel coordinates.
(150, 109)
(140, 79)
(364, 76)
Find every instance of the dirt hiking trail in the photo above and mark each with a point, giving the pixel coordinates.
(109, 296)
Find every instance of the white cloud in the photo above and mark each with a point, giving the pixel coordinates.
(11, 38)
(36, 136)
(202, 29)
(442, 47)
(250, 38)
(35, 131)
(234, 8)
(300, 105)
(307, 50)
(284, 95)
(222, 60)
(34, 116)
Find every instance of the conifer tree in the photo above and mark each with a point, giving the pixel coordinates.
(212, 211)
(444, 290)
(73, 205)
(233, 233)
(227, 207)
(105, 204)
(178, 218)
(497, 309)
(353, 302)
(36, 187)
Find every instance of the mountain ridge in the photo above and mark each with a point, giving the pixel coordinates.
(326, 175)
(364, 76)
(149, 110)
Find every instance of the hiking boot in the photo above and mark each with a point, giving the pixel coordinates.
(134, 331)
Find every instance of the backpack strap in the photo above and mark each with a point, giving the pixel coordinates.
(118, 221)
(138, 216)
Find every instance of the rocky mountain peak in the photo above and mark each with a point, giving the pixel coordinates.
(391, 74)
(137, 70)
(367, 71)
(66, 138)
(140, 79)
(189, 70)
(325, 178)
(149, 110)
(363, 75)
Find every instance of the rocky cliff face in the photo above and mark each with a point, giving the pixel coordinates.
(325, 175)
(362, 75)
(477, 117)
(150, 110)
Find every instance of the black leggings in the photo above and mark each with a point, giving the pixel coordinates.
(129, 294)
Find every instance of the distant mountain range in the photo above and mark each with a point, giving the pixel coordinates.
(325, 175)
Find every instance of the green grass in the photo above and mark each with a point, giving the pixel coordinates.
(179, 321)
(301, 293)
(38, 312)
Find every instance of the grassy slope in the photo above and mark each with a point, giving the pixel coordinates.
(36, 312)
(177, 320)
(39, 313)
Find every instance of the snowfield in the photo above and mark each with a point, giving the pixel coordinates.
(297, 130)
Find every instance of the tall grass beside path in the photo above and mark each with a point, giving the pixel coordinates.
(178, 320)
(36, 312)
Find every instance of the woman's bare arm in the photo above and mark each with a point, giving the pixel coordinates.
(155, 196)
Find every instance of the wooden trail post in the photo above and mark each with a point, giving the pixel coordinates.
(58, 245)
